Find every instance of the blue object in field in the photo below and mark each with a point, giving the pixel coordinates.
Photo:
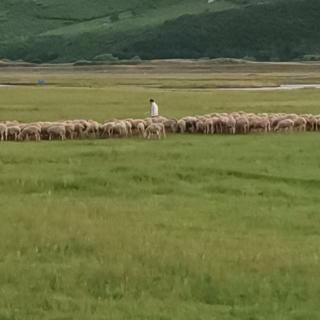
(41, 82)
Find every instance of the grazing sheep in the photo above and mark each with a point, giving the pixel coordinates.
(208, 126)
(151, 131)
(133, 125)
(275, 120)
(217, 125)
(242, 125)
(105, 129)
(222, 124)
(57, 131)
(79, 129)
(211, 123)
(119, 129)
(312, 123)
(171, 125)
(284, 125)
(141, 129)
(258, 124)
(231, 125)
(128, 127)
(70, 130)
(91, 128)
(13, 132)
(162, 129)
(44, 130)
(200, 126)
(182, 126)
(30, 132)
(3, 132)
(190, 124)
(155, 129)
(300, 124)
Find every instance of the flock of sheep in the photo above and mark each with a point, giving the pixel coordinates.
(213, 123)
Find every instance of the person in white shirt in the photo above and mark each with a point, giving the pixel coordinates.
(154, 108)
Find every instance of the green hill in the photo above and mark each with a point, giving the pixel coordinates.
(283, 30)
(58, 30)
(65, 31)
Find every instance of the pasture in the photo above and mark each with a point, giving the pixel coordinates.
(192, 227)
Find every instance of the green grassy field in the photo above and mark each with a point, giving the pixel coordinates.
(192, 227)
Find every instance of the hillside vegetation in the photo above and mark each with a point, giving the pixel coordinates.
(283, 30)
(59, 31)
(49, 30)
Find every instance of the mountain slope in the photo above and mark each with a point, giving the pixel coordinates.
(76, 29)
(282, 30)
(60, 31)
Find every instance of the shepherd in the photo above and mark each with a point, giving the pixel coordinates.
(154, 109)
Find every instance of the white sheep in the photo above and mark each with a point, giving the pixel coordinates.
(3, 132)
(57, 131)
(155, 129)
(284, 125)
(13, 132)
(30, 132)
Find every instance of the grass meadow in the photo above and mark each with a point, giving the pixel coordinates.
(192, 227)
